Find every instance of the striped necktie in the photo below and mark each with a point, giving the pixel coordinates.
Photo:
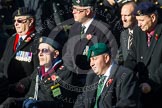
(99, 89)
(82, 31)
(148, 39)
(130, 39)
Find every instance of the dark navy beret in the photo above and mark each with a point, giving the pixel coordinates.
(145, 8)
(24, 11)
(51, 42)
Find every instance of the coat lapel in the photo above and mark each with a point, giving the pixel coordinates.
(153, 44)
(108, 87)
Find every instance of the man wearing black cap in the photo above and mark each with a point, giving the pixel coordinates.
(19, 58)
(48, 80)
(145, 54)
(85, 32)
(109, 85)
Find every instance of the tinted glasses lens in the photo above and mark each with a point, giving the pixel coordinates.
(20, 20)
(44, 50)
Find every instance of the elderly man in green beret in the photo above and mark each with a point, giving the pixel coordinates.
(109, 85)
(86, 31)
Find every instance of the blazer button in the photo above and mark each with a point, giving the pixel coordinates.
(141, 57)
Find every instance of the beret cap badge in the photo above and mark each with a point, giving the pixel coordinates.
(18, 12)
(92, 54)
(78, 1)
(40, 40)
(139, 12)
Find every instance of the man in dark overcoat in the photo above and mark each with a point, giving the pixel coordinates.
(145, 54)
(85, 32)
(119, 87)
(20, 56)
(50, 81)
(126, 36)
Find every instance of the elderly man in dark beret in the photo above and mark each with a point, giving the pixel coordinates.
(145, 54)
(109, 85)
(48, 82)
(20, 56)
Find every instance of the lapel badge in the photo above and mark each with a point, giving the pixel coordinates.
(40, 40)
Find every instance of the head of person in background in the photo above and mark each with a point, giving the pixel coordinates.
(117, 2)
(100, 58)
(49, 52)
(83, 10)
(127, 16)
(147, 16)
(24, 20)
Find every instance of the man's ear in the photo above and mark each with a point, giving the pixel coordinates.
(153, 17)
(31, 21)
(56, 53)
(88, 11)
(107, 58)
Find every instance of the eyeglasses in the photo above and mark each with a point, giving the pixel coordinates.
(44, 51)
(78, 10)
(20, 20)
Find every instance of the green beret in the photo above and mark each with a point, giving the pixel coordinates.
(51, 42)
(84, 2)
(98, 49)
(145, 8)
(24, 11)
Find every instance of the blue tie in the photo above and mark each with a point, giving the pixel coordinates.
(18, 44)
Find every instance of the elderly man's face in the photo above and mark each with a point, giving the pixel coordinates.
(99, 64)
(127, 17)
(146, 22)
(46, 54)
(22, 24)
(80, 13)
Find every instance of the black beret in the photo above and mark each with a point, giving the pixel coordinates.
(51, 42)
(84, 2)
(24, 11)
(145, 8)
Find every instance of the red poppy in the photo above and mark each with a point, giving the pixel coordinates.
(156, 37)
(89, 36)
(28, 39)
(54, 77)
(109, 82)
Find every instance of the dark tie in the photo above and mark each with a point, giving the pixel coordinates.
(130, 39)
(99, 89)
(148, 39)
(82, 31)
(18, 44)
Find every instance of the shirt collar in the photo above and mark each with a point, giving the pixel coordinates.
(107, 74)
(87, 24)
